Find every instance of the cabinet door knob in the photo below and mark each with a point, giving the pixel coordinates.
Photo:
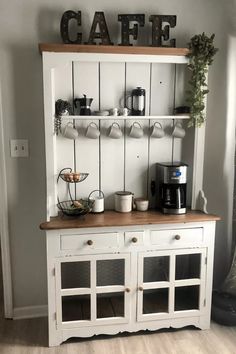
(127, 290)
(177, 237)
(89, 242)
(140, 288)
(134, 239)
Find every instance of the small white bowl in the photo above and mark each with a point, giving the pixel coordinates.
(141, 204)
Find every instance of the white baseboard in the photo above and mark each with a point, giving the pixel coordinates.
(30, 312)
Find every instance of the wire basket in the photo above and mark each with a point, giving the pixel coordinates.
(74, 177)
(76, 207)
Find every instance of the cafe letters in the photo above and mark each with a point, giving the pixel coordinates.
(99, 34)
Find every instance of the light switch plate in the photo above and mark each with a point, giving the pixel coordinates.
(19, 148)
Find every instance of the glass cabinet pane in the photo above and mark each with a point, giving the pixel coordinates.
(188, 266)
(110, 272)
(155, 300)
(76, 308)
(75, 275)
(187, 298)
(110, 305)
(156, 269)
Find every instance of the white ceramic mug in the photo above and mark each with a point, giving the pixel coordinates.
(69, 131)
(136, 131)
(114, 131)
(97, 197)
(178, 131)
(92, 131)
(141, 204)
(157, 131)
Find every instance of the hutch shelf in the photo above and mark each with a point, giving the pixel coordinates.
(184, 116)
(107, 49)
(116, 272)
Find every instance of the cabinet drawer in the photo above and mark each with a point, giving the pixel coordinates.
(90, 241)
(177, 237)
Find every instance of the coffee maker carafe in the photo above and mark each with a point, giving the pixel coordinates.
(171, 181)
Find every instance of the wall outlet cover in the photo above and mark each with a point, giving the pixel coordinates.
(19, 148)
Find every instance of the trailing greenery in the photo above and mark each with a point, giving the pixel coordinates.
(201, 55)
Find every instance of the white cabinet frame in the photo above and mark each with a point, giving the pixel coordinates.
(133, 254)
(93, 291)
(171, 284)
(122, 248)
(52, 61)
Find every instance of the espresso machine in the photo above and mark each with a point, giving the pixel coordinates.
(171, 181)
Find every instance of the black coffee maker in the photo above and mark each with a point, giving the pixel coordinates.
(171, 181)
(84, 105)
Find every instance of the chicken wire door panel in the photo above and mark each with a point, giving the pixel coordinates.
(112, 288)
(190, 283)
(110, 272)
(171, 284)
(93, 290)
(75, 275)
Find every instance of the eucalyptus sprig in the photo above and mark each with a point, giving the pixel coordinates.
(201, 55)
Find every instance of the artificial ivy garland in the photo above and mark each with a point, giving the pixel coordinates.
(200, 56)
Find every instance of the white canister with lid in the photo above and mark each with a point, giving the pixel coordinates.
(123, 201)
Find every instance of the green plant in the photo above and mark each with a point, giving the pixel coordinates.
(201, 55)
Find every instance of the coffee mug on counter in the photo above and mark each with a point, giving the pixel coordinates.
(92, 131)
(141, 204)
(97, 197)
(69, 131)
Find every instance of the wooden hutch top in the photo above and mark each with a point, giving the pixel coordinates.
(111, 49)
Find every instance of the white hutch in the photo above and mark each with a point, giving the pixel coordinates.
(116, 272)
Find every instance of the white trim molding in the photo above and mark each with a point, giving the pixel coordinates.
(4, 231)
(30, 312)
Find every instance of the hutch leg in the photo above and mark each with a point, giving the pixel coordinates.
(54, 335)
(205, 322)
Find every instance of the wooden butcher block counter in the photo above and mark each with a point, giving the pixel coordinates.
(113, 218)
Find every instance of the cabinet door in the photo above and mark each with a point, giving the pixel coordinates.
(92, 290)
(171, 284)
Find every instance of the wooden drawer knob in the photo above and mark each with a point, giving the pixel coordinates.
(127, 290)
(177, 237)
(89, 242)
(140, 288)
(134, 239)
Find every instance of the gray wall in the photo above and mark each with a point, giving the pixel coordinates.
(26, 23)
